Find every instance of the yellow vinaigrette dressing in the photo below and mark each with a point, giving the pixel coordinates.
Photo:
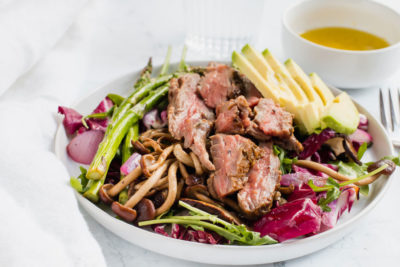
(345, 38)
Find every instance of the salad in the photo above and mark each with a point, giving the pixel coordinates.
(250, 154)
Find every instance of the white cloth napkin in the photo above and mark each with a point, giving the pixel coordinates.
(40, 223)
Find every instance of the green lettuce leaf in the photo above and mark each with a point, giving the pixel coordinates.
(286, 162)
(354, 170)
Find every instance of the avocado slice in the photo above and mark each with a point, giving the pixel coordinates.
(341, 115)
(257, 60)
(284, 75)
(262, 66)
(265, 88)
(322, 90)
(306, 116)
(303, 81)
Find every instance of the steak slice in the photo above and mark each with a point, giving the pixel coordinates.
(217, 84)
(189, 118)
(233, 116)
(255, 199)
(247, 88)
(290, 143)
(271, 120)
(233, 156)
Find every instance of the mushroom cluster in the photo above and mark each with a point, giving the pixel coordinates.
(166, 171)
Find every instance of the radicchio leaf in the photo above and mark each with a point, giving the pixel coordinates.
(100, 124)
(189, 234)
(363, 124)
(72, 119)
(290, 220)
(338, 207)
(360, 137)
(314, 142)
(303, 191)
(300, 178)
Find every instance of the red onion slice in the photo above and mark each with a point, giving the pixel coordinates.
(83, 147)
(131, 163)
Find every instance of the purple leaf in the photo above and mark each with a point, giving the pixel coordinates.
(363, 124)
(314, 142)
(338, 207)
(189, 234)
(160, 229)
(290, 220)
(72, 119)
(103, 106)
(303, 191)
(300, 178)
(359, 137)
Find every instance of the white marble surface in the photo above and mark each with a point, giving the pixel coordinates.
(128, 32)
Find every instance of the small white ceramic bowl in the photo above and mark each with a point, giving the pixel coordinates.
(343, 68)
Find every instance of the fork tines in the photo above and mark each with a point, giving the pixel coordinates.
(390, 120)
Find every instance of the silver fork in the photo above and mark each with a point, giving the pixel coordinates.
(391, 120)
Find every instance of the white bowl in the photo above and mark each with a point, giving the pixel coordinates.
(343, 68)
(225, 254)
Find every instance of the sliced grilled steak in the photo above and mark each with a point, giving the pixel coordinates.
(271, 120)
(217, 84)
(291, 144)
(247, 88)
(188, 117)
(256, 197)
(233, 116)
(233, 156)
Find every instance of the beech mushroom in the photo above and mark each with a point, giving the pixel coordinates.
(196, 163)
(210, 208)
(388, 171)
(191, 191)
(183, 171)
(108, 191)
(286, 189)
(200, 192)
(172, 189)
(162, 158)
(159, 198)
(126, 211)
(179, 190)
(319, 167)
(147, 142)
(140, 148)
(145, 162)
(342, 145)
(182, 156)
(193, 180)
(210, 186)
(145, 210)
(104, 195)
(231, 203)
